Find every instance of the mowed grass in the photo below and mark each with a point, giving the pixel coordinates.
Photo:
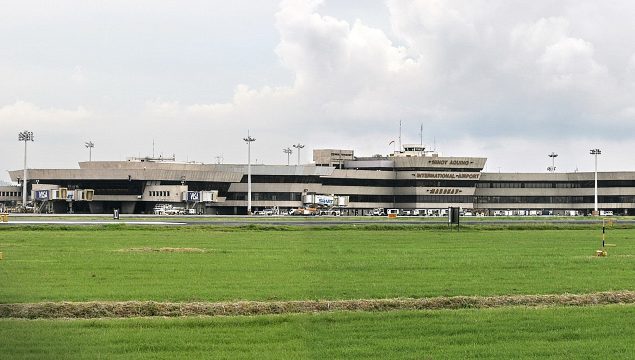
(603, 332)
(299, 264)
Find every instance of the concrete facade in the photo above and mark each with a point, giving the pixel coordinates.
(406, 181)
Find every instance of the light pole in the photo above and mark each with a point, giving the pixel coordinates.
(25, 136)
(553, 157)
(288, 151)
(596, 152)
(90, 145)
(249, 140)
(299, 147)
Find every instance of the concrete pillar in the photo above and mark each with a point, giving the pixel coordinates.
(127, 207)
(96, 207)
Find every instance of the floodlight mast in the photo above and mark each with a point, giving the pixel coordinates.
(553, 157)
(90, 145)
(25, 136)
(288, 151)
(596, 152)
(299, 147)
(249, 140)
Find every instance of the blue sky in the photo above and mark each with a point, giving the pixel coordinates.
(508, 80)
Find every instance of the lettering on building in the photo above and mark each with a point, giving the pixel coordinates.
(444, 191)
(451, 176)
(451, 162)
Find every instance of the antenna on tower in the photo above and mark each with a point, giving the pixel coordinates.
(400, 136)
(421, 134)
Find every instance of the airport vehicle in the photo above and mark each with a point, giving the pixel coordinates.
(378, 212)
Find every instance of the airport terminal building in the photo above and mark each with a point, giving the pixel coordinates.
(410, 179)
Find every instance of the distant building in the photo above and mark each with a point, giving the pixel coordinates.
(410, 178)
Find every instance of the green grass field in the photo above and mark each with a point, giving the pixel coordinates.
(604, 332)
(112, 264)
(117, 263)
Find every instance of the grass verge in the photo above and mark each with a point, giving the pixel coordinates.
(89, 310)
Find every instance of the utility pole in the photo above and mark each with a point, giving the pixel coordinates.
(299, 147)
(25, 136)
(553, 157)
(90, 145)
(249, 140)
(288, 151)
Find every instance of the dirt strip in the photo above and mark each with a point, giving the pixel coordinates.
(96, 309)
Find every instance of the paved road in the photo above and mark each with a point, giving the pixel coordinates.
(88, 222)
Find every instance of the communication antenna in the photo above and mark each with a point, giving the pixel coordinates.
(400, 136)
(421, 135)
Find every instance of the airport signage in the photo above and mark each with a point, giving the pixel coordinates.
(448, 175)
(446, 162)
(193, 196)
(41, 195)
(444, 191)
(324, 200)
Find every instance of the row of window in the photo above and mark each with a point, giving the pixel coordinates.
(434, 198)
(552, 199)
(289, 179)
(528, 185)
(293, 179)
(256, 196)
(269, 196)
(282, 179)
(556, 185)
(397, 199)
(445, 198)
(11, 193)
(159, 193)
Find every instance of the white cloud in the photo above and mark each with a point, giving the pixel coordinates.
(475, 72)
(162, 109)
(22, 113)
(467, 69)
(78, 75)
(546, 49)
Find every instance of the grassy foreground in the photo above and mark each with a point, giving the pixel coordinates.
(221, 264)
(208, 264)
(603, 332)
